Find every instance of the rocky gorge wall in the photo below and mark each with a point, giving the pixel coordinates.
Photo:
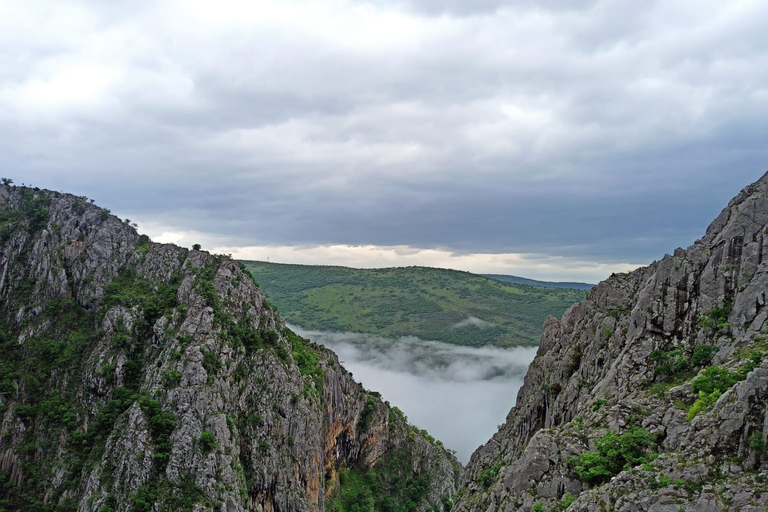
(668, 359)
(138, 376)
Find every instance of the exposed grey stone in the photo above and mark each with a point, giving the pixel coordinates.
(279, 439)
(595, 364)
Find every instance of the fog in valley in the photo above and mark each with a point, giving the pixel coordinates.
(459, 394)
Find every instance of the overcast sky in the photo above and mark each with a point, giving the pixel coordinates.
(555, 139)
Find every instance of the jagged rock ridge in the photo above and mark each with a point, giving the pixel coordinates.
(635, 358)
(137, 376)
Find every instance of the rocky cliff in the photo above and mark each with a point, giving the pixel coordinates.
(136, 376)
(651, 394)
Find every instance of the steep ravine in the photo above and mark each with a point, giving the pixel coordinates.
(650, 395)
(137, 376)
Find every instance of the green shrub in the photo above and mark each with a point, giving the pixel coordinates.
(172, 378)
(675, 362)
(366, 415)
(613, 452)
(488, 477)
(271, 336)
(207, 291)
(281, 353)
(161, 426)
(754, 360)
(211, 362)
(717, 317)
(144, 244)
(621, 310)
(354, 493)
(208, 441)
(390, 486)
(661, 482)
(395, 411)
(122, 399)
(255, 419)
(144, 499)
(307, 359)
(108, 372)
(704, 401)
(110, 503)
(659, 389)
(78, 206)
(669, 363)
(703, 354)
(250, 339)
(757, 443)
(568, 499)
(714, 378)
(185, 494)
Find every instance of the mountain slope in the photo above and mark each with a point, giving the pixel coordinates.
(137, 376)
(430, 303)
(533, 282)
(651, 394)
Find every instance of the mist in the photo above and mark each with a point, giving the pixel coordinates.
(459, 394)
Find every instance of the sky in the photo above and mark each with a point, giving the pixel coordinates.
(560, 140)
(460, 395)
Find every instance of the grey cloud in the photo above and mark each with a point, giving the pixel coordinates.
(472, 321)
(479, 7)
(508, 127)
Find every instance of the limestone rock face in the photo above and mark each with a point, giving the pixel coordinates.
(137, 376)
(602, 368)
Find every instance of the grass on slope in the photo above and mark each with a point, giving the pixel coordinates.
(429, 303)
(545, 284)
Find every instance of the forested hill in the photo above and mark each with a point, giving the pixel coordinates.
(430, 303)
(534, 282)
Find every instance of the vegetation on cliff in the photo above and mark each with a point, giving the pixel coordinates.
(137, 376)
(652, 393)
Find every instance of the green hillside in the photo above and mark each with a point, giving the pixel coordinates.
(534, 282)
(430, 303)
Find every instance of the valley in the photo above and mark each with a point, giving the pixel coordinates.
(430, 381)
(139, 376)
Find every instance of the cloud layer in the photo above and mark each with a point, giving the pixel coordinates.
(592, 130)
(459, 394)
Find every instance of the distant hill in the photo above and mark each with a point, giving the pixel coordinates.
(430, 303)
(533, 282)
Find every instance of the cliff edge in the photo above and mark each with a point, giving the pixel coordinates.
(650, 395)
(138, 376)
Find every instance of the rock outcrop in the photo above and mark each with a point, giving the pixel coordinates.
(137, 376)
(667, 361)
